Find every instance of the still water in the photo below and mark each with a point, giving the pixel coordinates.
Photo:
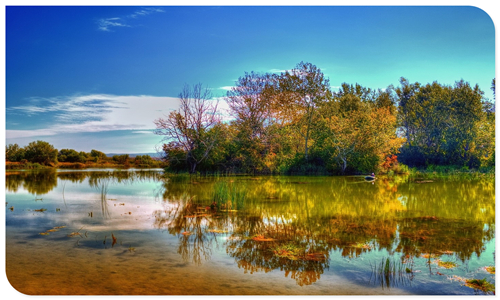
(135, 232)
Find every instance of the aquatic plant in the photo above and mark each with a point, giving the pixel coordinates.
(490, 269)
(228, 197)
(446, 264)
(480, 284)
(390, 273)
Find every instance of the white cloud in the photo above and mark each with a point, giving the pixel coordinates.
(226, 88)
(145, 12)
(106, 24)
(95, 113)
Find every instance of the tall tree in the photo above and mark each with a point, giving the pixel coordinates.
(188, 127)
(251, 107)
(301, 91)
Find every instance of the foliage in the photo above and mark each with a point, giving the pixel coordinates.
(41, 152)
(293, 123)
(14, 153)
(70, 155)
(121, 159)
(445, 125)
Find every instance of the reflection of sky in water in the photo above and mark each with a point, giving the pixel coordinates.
(127, 206)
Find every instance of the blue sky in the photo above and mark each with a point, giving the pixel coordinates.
(97, 77)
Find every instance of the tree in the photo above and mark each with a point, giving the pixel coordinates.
(406, 107)
(187, 128)
(122, 159)
(71, 155)
(14, 153)
(299, 93)
(251, 107)
(442, 123)
(354, 132)
(97, 155)
(41, 152)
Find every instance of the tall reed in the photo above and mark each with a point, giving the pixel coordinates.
(228, 197)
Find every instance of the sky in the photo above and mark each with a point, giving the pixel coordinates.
(96, 77)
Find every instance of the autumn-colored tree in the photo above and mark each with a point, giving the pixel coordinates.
(298, 95)
(355, 132)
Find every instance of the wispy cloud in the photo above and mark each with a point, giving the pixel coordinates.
(94, 113)
(146, 11)
(106, 24)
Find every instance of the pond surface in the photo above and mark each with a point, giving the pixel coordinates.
(134, 232)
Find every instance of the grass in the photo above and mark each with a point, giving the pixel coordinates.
(228, 197)
(451, 173)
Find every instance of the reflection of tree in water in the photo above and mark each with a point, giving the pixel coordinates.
(259, 246)
(348, 216)
(41, 182)
(191, 222)
(437, 236)
(35, 182)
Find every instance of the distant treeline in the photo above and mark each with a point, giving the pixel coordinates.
(42, 154)
(295, 123)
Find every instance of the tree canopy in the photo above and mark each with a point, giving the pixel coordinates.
(294, 122)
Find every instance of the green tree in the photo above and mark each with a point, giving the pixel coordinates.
(71, 155)
(14, 153)
(41, 152)
(441, 123)
(97, 155)
(122, 159)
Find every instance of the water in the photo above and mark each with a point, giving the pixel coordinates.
(133, 232)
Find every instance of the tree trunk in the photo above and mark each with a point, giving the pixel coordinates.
(192, 167)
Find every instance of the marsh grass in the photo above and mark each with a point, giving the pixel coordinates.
(228, 196)
(450, 173)
(391, 273)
